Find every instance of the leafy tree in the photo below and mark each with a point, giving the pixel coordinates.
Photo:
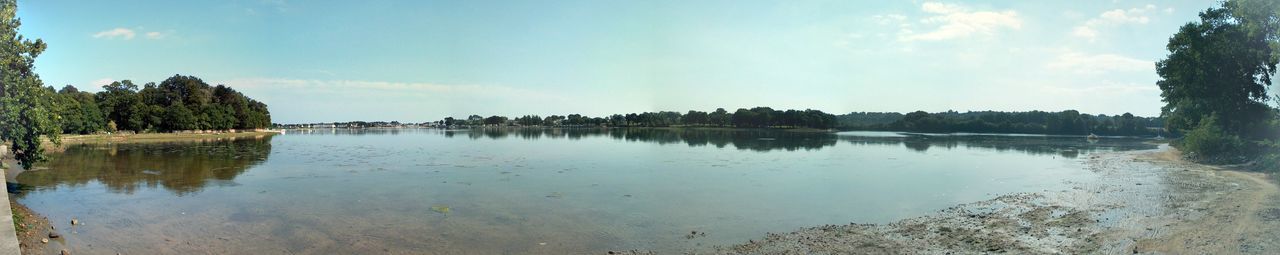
(1217, 73)
(719, 117)
(26, 108)
(122, 105)
(495, 120)
(178, 117)
(78, 112)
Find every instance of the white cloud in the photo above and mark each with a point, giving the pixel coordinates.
(118, 32)
(954, 21)
(100, 82)
(129, 34)
(1079, 63)
(1089, 30)
(155, 35)
(346, 86)
(1086, 32)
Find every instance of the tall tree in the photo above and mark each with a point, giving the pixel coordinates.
(26, 108)
(1221, 67)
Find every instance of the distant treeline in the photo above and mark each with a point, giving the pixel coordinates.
(758, 117)
(1069, 122)
(177, 103)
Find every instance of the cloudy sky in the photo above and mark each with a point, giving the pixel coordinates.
(314, 61)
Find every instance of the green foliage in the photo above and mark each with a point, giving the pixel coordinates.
(750, 118)
(178, 117)
(1214, 83)
(527, 120)
(863, 120)
(78, 112)
(180, 103)
(27, 110)
(1209, 143)
(1068, 122)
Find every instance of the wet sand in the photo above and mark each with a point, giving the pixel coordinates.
(1146, 202)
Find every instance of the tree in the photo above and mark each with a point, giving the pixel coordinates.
(178, 117)
(1217, 73)
(720, 117)
(26, 108)
(120, 102)
(495, 120)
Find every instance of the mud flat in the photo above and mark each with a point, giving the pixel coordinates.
(1144, 202)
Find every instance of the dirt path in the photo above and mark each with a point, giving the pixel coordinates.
(1147, 202)
(1240, 217)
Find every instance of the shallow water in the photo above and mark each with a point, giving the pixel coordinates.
(550, 191)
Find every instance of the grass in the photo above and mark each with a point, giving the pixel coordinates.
(19, 221)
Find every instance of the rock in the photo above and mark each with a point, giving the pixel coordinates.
(65, 252)
(44, 240)
(54, 235)
(75, 222)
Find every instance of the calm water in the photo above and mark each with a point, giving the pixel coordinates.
(523, 191)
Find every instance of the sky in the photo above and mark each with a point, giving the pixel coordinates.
(414, 61)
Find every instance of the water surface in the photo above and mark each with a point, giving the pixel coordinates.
(550, 191)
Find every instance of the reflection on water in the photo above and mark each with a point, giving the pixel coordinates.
(767, 140)
(178, 167)
(541, 191)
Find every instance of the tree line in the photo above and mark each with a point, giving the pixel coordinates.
(758, 117)
(176, 104)
(1068, 122)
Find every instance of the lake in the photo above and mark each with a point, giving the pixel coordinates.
(548, 191)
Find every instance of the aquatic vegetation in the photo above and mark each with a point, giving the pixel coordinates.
(442, 209)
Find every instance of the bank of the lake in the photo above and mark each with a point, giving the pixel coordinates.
(158, 137)
(1147, 202)
(32, 228)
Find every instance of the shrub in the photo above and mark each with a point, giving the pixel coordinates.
(1209, 143)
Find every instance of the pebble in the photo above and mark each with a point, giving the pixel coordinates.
(44, 240)
(54, 235)
(65, 252)
(75, 222)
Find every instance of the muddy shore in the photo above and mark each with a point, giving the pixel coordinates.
(31, 228)
(1145, 202)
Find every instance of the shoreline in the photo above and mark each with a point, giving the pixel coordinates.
(1148, 201)
(34, 228)
(154, 138)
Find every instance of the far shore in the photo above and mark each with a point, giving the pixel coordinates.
(157, 137)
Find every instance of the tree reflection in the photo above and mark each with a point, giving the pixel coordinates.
(182, 168)
(768, 140)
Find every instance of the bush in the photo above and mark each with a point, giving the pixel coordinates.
(1209, 143)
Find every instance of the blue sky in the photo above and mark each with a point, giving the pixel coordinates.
(313, 61)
